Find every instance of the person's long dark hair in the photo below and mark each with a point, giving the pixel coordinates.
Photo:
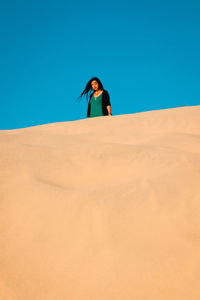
(88, 88)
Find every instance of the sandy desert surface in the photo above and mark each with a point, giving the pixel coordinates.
(104, 208)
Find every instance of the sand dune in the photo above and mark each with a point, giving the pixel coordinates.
(105, 208)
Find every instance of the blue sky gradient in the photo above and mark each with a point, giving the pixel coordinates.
(146, 53)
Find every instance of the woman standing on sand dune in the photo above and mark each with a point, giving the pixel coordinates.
(99, 101)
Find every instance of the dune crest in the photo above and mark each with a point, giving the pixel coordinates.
(105, 208)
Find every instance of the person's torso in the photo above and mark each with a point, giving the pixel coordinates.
(96, 106)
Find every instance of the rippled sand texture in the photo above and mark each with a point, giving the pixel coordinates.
(105, 208)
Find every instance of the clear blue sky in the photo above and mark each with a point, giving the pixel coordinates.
(146, 53)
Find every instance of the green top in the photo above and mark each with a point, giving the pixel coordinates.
(96, 106)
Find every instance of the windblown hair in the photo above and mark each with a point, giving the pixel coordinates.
(88, 89)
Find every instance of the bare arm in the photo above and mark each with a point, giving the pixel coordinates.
(109, 110)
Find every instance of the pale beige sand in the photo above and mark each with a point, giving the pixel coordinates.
(106, 208)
